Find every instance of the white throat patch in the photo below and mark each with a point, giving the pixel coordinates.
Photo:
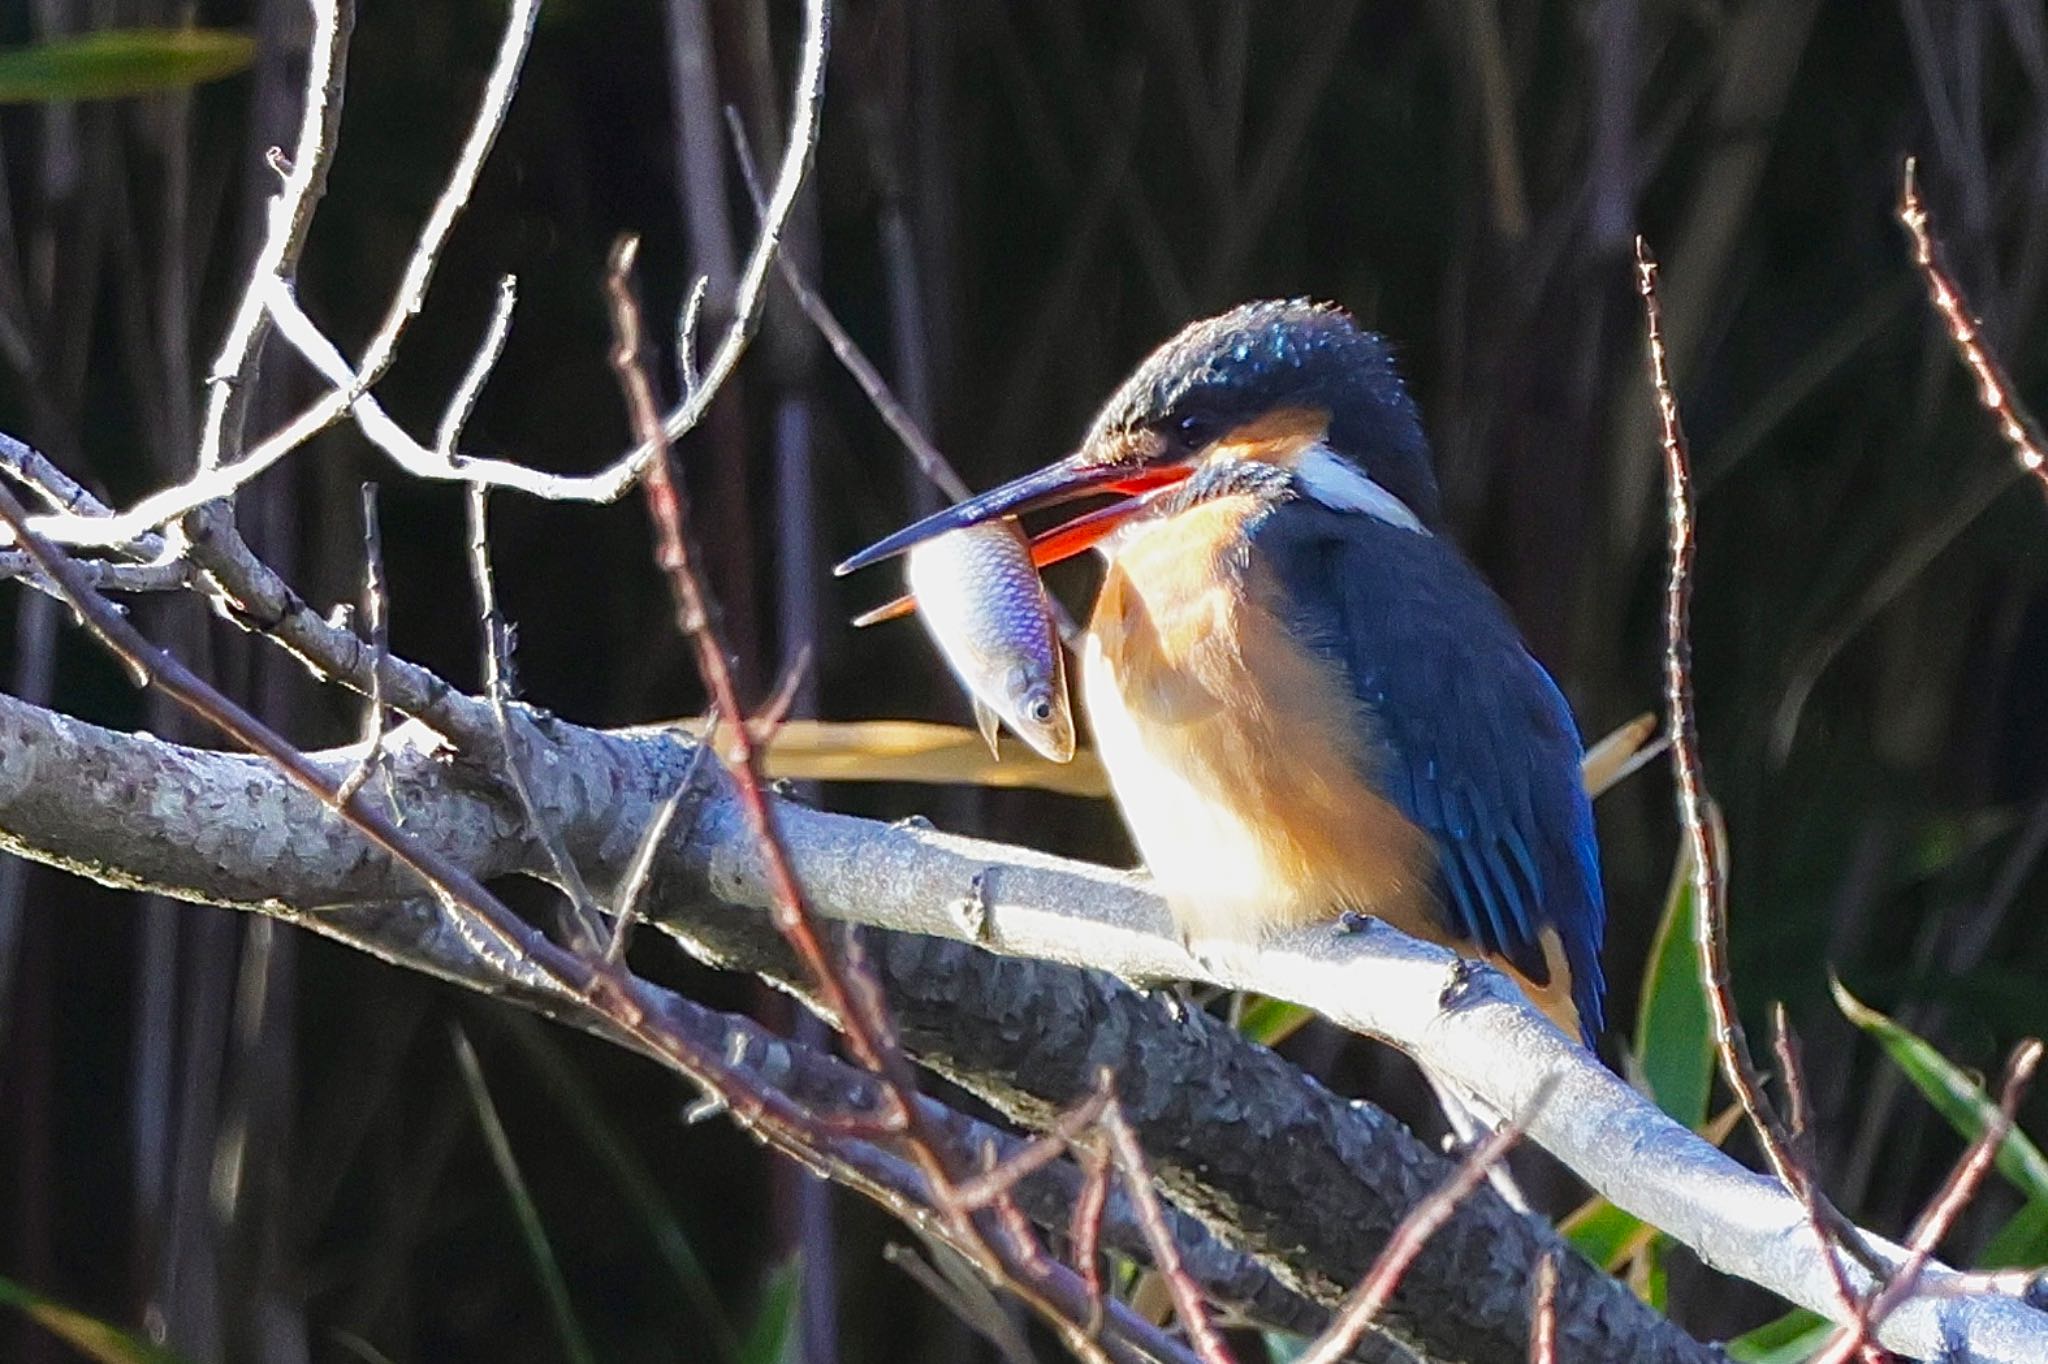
(1342, 486)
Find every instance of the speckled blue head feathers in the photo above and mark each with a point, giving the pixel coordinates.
(1260, 357)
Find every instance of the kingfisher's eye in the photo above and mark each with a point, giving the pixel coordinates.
(1196, 430)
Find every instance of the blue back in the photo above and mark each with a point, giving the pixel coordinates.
(1471, 738)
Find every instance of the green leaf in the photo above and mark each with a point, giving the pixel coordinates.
(118, 62)
(91, 1337)
(1283, 1347)
(578, 1101)
(1269, 1022)
(768, 1338)
(1674, 1031)
(1604, 1233)
(2021, 1243)
(553, 1286)
(1649, 1277)
(1954, 1094)
(1790, 1339)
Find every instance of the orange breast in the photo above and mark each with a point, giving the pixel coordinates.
(1239, 756)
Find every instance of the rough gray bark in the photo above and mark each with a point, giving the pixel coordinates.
(1308, 1183)
(1310, 1186)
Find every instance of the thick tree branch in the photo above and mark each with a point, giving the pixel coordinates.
(1308, 1183)
(1288, 1171)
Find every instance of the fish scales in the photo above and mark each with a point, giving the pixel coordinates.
(981, 600)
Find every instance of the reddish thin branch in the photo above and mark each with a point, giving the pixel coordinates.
(1187, 1298)
(1543, 1330)
(1794, 1079)
(1709, 872)
(377, 717)
(1084, 1230)
(1011, 1256)
(639, 1012)
(1407, 1242)
(1034, 1155)
(1994, 386)
(1942, 1210)
(791, 914)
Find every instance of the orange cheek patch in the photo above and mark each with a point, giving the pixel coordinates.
(1279, 437)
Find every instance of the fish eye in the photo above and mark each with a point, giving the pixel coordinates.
(1039, 710)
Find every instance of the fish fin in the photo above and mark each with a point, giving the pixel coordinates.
(991, 726)
(892, 610)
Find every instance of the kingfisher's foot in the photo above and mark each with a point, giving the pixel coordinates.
(1173, 998)
(1213, 955)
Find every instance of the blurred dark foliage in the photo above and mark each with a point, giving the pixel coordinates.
(263, 1146)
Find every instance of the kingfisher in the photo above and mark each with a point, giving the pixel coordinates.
(1308, 701)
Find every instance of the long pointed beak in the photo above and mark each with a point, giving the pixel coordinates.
(1065, 481)
(1054, 546)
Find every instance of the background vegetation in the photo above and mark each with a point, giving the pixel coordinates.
(264, 1147)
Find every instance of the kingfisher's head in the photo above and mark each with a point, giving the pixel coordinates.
(1291, 393)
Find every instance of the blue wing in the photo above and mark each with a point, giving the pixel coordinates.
(1469, 735)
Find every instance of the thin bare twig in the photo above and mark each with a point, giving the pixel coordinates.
(376, 717)
(1405, 1244)
(640, 870)
(1187, 1297)
(290, 218)
(627, 1005)
(930, 462)
(1084, 1229)
(1543, 1332)
(1942, 1210)
(1994, 386)
(471, 387)
(687, 320)
(1803, 1185)
(585, 924)
(1709, 873)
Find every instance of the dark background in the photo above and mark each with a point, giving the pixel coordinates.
(263, 1142)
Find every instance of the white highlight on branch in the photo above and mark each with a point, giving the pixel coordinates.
(290, 217)
(270, 294)
(1463, 1022)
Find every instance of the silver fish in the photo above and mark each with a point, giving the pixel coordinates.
(980, 598)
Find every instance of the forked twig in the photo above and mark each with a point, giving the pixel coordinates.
(270, 299)
(1421, 1223)
(995, 1181)
(1084, 1229)
(1803, 1187)
(635, 1010)
(1942, 1210)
